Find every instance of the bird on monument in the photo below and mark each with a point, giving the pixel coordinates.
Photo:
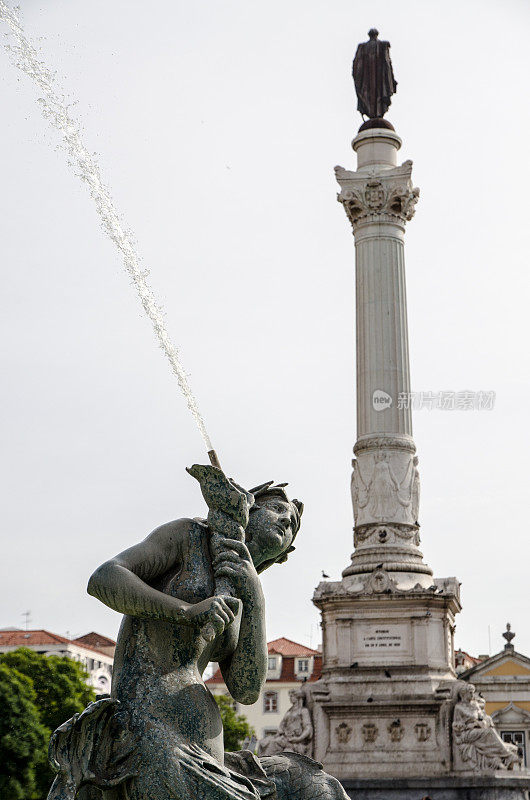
(324, 574)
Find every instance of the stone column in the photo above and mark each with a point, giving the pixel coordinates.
(379, 199)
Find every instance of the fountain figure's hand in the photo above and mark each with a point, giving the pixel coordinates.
(218, 611)
(233, 562)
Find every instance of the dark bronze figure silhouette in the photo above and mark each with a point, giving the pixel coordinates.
(373, 76)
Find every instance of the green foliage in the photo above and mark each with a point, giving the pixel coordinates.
(236, 727)
(23, 738)
(60, 691)
(59, 683)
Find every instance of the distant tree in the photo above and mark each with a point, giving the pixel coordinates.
(60, 691)
(236, 727)
(60, 684)
(23, 738)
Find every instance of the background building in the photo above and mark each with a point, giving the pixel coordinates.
(504, 682)
(289, 665)
(94, 651)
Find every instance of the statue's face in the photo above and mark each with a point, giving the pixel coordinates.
(467, 693)
(270, 529)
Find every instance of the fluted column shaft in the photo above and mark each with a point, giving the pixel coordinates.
(381, 326)
(379, 199)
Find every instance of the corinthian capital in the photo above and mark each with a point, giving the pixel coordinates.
(377, 195)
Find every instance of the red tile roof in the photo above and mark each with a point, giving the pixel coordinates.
(19, 638)
(95, 640)
(286, 647)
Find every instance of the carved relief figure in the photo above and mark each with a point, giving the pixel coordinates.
(383, 489)
(383, 497)
(190, 594)
(295, 732)
(475, 737)
(409, 489)
(415, 493)
(359, 490)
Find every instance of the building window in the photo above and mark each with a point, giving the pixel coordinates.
(516, 738)
(270, 731)
(271, 664)
(270, 702)
(303, 665)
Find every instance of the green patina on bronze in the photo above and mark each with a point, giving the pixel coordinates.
(190, 594)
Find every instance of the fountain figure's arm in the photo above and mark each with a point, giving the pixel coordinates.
(244, 672)
(123, 582)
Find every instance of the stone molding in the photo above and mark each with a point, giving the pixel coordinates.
(386, 534)
(381, 582)
(378, 195)
(376, 442)
(407, 565)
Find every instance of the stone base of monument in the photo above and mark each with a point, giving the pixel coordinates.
(497, 786)
(391, 720)
(386, 696)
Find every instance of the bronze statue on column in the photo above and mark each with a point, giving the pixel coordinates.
(373, 76)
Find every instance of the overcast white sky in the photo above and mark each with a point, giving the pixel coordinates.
(217, 126)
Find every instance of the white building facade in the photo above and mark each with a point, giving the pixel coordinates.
(97, 661)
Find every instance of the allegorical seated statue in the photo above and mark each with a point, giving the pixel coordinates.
(475, 736)
(295, 732)
(190, 594)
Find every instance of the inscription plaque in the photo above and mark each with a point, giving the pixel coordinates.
(381, 638)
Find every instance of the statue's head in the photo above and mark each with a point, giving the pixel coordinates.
(273, 524)
(296, 696)
(467, 693)
(373, 33)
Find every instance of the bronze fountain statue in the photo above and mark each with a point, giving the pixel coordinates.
(190, 594)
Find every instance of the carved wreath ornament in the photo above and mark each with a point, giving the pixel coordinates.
(370, 732)
(395, 731)
(343, 732)
(423, 731)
